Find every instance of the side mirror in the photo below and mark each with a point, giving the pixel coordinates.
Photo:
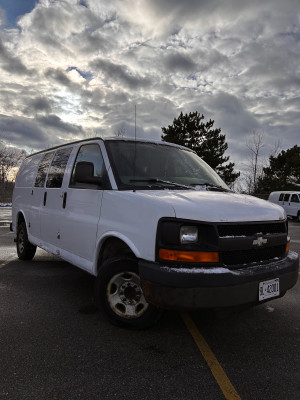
(84, 173)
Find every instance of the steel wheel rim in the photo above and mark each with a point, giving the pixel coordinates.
(125, 296)
(21, 240)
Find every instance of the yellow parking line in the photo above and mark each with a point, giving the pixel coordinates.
(219, 374)
(14, 257)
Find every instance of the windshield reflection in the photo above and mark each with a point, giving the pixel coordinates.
(143, 165)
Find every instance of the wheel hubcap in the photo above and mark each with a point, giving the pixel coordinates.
(21, 240)
(125, 296)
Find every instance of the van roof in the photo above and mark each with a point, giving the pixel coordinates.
(286, 191)
(113, 138)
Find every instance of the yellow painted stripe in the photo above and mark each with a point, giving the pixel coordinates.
(14, 257)
(219, 374)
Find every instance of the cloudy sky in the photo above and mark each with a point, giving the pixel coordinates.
(71, 69)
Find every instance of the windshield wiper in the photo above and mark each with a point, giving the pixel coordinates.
(212, 187)
(156, 180)
(193, 186)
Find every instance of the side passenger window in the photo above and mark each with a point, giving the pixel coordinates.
(281, 196)
(43, 169)
(57, 168)
(89, 153)
(295, 198)
(286, 197)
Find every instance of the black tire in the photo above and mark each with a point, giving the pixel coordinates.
(120, 297)
(298, 216)
(25, 249)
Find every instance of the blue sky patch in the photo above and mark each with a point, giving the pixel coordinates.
(86, 75)
(16, 8)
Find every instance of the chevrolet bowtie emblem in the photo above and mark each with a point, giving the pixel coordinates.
(259, 241)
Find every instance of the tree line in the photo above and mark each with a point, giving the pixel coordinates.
(10, 160)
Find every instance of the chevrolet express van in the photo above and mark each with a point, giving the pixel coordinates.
(289, 200)
(154, 224)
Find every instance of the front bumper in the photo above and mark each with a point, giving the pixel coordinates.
(188, 288)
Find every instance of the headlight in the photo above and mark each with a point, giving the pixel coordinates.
(188, 234)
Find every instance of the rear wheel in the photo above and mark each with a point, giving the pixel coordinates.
(25, 249)
(120, 296)
(298, 216)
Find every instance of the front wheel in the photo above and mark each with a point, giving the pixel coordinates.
(298, 216)
(25, 249)
(120, 296)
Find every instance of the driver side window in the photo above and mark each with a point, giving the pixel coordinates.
(295, 198)
(88, 153)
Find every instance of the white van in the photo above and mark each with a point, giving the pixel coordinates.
(156, 226)
(289, 200)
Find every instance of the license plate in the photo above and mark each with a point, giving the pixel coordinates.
(268, 289)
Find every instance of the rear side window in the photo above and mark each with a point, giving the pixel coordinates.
(57, 168)
(281, 196)
(286, 197)
(27, 172)
(42, 170)
(295, 198)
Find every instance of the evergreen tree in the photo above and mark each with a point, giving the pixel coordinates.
(190, 131)
(283, 173)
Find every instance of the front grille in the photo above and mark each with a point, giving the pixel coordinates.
(251, 229)
(246, 257)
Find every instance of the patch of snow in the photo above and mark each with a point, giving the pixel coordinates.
(5, 205)
(232, 237)
(218, 270)
(270, 309)
(200, 188)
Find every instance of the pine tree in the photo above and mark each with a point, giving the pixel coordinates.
(283, 172)
(190, 131)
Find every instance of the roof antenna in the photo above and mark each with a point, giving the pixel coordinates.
(134, 162)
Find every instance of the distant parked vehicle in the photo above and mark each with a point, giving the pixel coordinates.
(289, 200)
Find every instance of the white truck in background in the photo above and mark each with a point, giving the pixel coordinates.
(289, 200)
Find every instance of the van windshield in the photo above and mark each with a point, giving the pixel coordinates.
(143, 165)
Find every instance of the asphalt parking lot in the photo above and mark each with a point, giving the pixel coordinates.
(55, 345)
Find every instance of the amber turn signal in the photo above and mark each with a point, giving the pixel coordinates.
(188, 256)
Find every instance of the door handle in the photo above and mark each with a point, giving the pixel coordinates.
(45, 199)
(65, 200)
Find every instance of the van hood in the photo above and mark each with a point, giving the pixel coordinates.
(216, 206)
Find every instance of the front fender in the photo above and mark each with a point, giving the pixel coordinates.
(115, 235)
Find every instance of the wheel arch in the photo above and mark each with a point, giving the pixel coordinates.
(20, 218)
(112, 245)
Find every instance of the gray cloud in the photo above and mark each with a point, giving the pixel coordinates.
(38, 104)
(59, 76)
(53, 121)
(91, 42)
(12, 64)
(233, 116)
(21, 131)
(37, 133)
(120, 73)
(179, 62)
(78, 68)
